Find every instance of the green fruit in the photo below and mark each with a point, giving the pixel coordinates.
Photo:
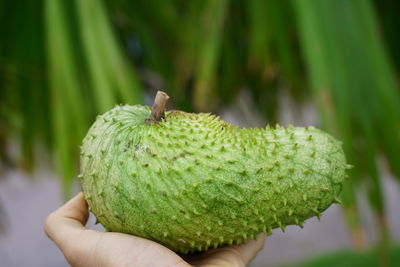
(192, 181)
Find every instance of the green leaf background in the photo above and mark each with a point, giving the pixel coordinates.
(64, 62)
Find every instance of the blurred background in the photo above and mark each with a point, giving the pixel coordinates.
(330, 63)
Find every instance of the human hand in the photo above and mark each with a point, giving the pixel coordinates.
(85, 247)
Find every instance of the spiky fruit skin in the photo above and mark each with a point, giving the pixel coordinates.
(194, 181)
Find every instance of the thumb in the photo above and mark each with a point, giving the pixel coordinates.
(67, 220)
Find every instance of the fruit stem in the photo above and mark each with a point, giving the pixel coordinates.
(158, 109)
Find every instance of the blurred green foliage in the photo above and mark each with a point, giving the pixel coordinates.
(64, 62)
(368, 258)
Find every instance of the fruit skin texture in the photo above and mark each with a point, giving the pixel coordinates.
(193, 181)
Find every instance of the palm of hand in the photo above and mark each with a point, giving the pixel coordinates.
(84, 247)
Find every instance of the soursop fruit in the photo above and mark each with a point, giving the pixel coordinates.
(193, 181)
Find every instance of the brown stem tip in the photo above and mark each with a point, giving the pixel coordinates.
(158, 109)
